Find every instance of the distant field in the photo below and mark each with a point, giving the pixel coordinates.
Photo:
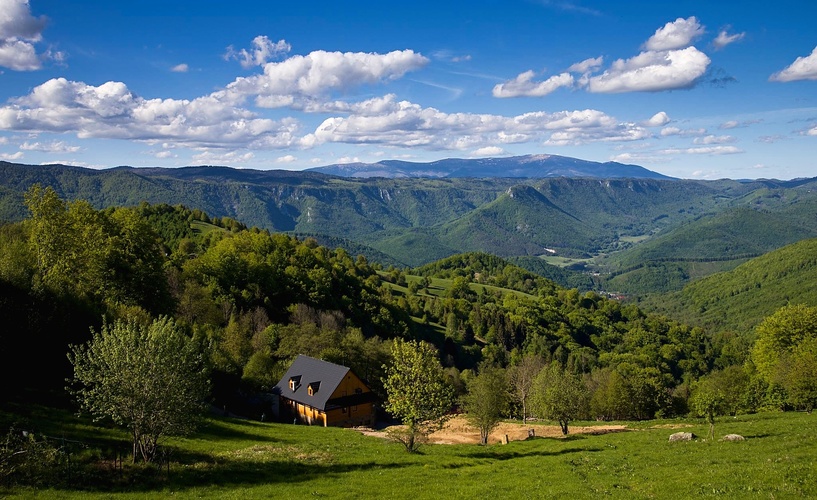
(233, 458)
(555, 260)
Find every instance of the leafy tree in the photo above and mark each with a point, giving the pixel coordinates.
(148, 378)
(417, 391)
(559, 395)
(708, 400)
(521, 378)
(779, 334)
(487, 400)
(798, 375)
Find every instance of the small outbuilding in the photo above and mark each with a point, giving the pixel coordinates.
(317, 392)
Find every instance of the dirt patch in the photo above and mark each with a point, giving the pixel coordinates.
(459, 431)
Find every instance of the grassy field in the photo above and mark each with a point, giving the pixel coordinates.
(231, 458)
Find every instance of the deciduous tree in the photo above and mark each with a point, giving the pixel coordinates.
(148, 378)
(486, 400)
(559, 395)
(417, 391)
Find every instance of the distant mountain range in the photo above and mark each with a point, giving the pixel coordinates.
(638, 235)
(529, 166)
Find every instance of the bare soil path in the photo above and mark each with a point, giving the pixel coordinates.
(459, 431)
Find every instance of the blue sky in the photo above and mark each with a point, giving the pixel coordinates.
(691, 89)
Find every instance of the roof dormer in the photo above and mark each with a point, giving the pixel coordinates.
(294, 382)
(312, 389)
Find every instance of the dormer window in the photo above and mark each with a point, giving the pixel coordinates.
(294, 383)
(313, 388)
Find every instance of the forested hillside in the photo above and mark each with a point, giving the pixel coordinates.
(739, 300)
(257, 299)
(650, 234)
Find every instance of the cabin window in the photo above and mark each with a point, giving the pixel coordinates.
(294, 382)
(313, 388)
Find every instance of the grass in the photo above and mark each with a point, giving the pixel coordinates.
(232, 458)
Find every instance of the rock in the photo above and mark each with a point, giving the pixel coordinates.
(733, 437)
(681, 436)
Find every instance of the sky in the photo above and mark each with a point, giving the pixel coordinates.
(690, 89)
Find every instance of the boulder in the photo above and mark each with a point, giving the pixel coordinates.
(733, 437)
(681, 436)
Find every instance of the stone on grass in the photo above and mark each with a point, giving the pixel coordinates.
(681, 436)
(733, 437)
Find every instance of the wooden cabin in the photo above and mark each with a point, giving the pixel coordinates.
(317, 392)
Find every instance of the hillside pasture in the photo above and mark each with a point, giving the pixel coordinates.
(232, 458)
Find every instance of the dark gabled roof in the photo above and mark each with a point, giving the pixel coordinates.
(307, 371)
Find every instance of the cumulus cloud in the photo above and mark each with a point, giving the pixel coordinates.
(652, 72)
(18, 32)
(180, 68)
(285, 159)
(659, 119)
(210, 157)
(112, 111)
(586, 65)
(263, 50)
(714, 139)
(803, 68)
(12, 156)
(812, 131)
(724, 38)
(524, 86)
(488, 151)
(49, 147)
(675, 35)
(407, 124)
(319, 72)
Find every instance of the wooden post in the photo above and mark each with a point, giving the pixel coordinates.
(505, 439)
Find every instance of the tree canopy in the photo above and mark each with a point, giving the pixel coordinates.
(148, 378)
(417, 390)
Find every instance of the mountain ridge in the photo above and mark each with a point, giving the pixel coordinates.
(526, 166)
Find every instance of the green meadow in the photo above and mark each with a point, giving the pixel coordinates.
(232, 458)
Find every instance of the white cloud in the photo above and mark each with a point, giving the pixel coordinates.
(670, 131)
(263, 50)
(652, 72)
(709, 150)
(675, 35)
(737, 124)
(586, 65)
(319, 72)
(211, 157)
(659, 119)
(348, 159)
(524, 86)
(180, 68)
(714, 139)
(488, 151)
(803, 68)
(812, 131)
(112, 111)
(18, 31)
(285, 159)
(406, 124)
(164, 154)
(724, 38)
(638, 158)
(49, 147)
(12, 156)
